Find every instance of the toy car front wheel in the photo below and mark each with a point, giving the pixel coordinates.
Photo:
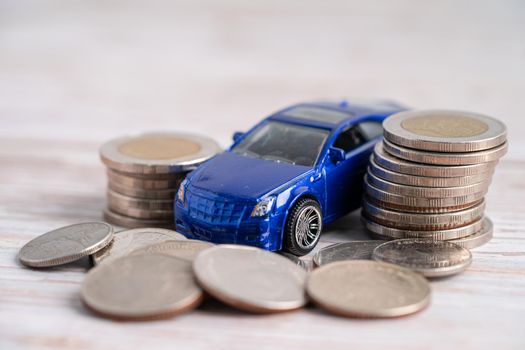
(303, 227)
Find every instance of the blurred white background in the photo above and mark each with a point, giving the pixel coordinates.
(92, 70)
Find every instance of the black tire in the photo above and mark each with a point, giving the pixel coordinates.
(295, 228)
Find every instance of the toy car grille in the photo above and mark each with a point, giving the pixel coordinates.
(215, 211)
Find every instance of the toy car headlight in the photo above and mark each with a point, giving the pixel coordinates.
(181, 193)
(263, 207)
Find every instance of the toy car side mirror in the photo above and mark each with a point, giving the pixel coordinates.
(237, 136)
(336, 154)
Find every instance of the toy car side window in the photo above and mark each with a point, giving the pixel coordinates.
(349, 139)
(371, 129)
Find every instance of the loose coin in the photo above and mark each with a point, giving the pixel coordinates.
(444, 130)
(124, 201)
(141, 287)
(427, 157)
(387, 233)
(145, 182)
(427, 181)
(250, 278)
(423, 221)
(158, 153)
(66, 244)
(124, 242)
(355, 250)
(142, 193)
(129, 222)
(398, 165)
(425, 192)
(430, 258)
(295, 259)
(182, 249)
(362, 288)
(479, 238)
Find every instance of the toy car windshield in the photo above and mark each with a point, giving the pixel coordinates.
(284, 142)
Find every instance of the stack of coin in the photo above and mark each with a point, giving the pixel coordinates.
(429, 176)
(144, 173)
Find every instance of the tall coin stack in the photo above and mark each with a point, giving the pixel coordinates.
(144, 173)
(429, 176)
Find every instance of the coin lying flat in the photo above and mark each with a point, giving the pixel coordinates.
(379, 231)
(423, 221)
(295, 259)
(157, 153)
(430, 258)
(477, 239)
(141, 287)
(145, 183)
(441, 158)
(398, 165)
(355, 250)
(362, 288)
(129, 222)
(444, 130)
(66, 244)
(427, 181)
(124, 242)
(251, 279)
(182, 249)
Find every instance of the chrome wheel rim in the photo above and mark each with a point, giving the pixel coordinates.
(308, 227)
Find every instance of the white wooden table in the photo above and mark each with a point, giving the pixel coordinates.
(74, 74)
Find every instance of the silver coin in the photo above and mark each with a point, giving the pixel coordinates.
(66, 244)
(430, 258)
(128, 180)
(139, 203)
(141, 287)
(479, 238)
(251, 279)
(295, 259)
(129, 222)
(398, 165)
(444, 130)
(423, 221)
(182, 249)
(379, 231)
(158, 152)
(361, 288)
(124, 242)
(142, 193)
(145, 214)
(427, 157)
(425, 192)
(421, 203)
(427, 181)
(355, 250)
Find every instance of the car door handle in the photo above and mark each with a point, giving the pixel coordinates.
(315, 177)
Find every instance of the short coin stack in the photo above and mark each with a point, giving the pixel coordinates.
(144, 173)
(428, 178)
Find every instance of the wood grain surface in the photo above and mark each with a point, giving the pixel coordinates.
(74, 74)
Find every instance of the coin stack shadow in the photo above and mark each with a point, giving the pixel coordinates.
(416, 193)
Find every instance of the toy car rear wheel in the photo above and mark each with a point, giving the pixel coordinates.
(303, 227)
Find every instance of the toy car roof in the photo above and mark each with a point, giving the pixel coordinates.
(329, 115)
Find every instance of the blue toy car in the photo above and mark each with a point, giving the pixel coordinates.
(280, 182)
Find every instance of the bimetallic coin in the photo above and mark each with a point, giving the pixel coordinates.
(427, 157)
(251, 279)
(124, 242)
(444, 130)
(146, 183)
(379, 231)
(361, 288)
(158, 152)
(430, 258)
(421, 204)
(66, 244)
(423, 221)
(142, 193)
(141, 287)
(425, 192)
(182, 249)
(129, 222)
(398, 165)
(124, 201)
(479, 238)
(427, 181)
(355, 250)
